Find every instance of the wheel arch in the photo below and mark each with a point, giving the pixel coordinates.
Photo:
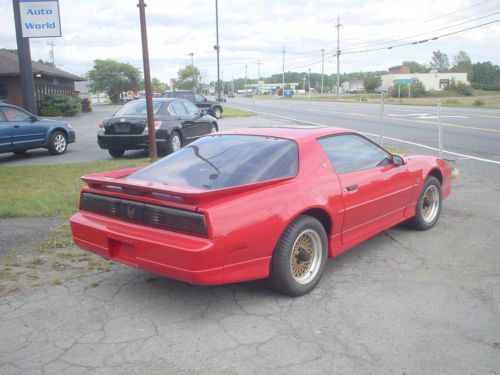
(51, 131)
(435, 172)
(320, 214)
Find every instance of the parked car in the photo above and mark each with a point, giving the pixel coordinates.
(221, 98)
(21, 131)
(213, 108)
(177, 123)
(230, 95)
(257, 203)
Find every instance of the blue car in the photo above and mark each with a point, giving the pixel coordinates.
(21, 131)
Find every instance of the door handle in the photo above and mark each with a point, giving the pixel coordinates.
(352, 187)
(17, 126)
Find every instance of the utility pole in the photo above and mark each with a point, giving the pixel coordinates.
(217, 47)
(147, 82)
(338, 58)
(258, 71)
(309, 80)
(246, 77)
(283, 89)
(52, 58)
(322, 68)
(192, 58)
(24, 57)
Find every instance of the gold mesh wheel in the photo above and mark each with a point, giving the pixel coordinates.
(430, 203)
(306, 256)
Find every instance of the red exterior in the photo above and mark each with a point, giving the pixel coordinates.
(245, 223)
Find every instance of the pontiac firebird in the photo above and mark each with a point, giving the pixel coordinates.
(257, 203)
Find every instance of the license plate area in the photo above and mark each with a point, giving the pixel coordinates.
(122, 128)
(122, 251)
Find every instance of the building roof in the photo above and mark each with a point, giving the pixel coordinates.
(9, 66)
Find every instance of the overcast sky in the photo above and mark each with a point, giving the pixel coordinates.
(258, 29)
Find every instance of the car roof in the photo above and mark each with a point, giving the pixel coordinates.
(156, 100)
(294, 132)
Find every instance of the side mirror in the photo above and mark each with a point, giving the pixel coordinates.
(34, 118)
(397, 160)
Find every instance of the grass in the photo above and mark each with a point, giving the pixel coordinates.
(50, 190)
(233, 112)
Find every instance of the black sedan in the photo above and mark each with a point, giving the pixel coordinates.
(21, 131)
(177, 123)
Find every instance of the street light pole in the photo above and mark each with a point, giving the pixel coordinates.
(338, 58)
(147, 82)
(217, 47)
(322, 68)
(283, 88)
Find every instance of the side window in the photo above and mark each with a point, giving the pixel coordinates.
(179, 108)
(2, 117)
(199, 98)
(191, 108)
(14, 114)
(350, 152)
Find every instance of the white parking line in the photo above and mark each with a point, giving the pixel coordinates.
(376, 135)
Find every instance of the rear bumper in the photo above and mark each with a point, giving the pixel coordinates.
(125, 142)
(178, 256)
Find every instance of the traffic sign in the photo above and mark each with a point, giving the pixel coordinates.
(403, 81)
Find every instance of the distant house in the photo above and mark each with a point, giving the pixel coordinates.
(431, 81)
(48, 80)
(83, 90)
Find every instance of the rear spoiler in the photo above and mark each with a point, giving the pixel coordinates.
(188, 194)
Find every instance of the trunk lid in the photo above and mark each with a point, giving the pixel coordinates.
(125, 125)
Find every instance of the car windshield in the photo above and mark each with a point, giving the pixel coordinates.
(222, 161)
(138, 108)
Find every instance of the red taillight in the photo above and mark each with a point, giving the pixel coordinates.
(157, 124)
(101, 125)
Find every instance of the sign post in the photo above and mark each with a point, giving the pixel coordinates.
(33, 19)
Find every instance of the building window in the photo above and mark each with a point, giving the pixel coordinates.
(4, 95)
(443, 83)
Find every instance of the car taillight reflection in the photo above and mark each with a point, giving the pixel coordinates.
(101, 125)
(157, 124)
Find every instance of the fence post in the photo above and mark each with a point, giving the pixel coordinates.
(382, 95)
(440, 131)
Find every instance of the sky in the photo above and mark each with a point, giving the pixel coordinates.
(258, 30)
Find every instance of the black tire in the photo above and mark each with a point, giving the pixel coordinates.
(20, 152)
(214, 128)
(174, 142)
(58, 143)
(427, 214)
(281, 277)
(217, 112)
(116, 152)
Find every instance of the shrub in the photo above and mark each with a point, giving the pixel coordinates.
(417, 90)
(67, 105)
(86, 105)
(50, 111)
(452, 102)
(486, 87)
(459, 88)
(477, 103)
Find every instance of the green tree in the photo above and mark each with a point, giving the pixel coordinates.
(486, 73)
(439, 61)
(372, 83)
(188, 78)
(416, 67)
(463, 64)
(113, 77)
(158, 86)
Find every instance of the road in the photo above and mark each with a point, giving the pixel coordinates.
(467, 132)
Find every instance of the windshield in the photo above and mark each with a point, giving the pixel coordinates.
(222, 161)
(138, 108)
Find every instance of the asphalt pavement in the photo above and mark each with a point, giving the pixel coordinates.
(467, 132)
(403, 302)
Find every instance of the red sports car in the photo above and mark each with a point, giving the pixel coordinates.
(257, 203)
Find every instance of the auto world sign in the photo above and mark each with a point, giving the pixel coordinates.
(40, 18)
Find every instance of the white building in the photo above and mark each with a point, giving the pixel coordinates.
(431, 81)
(354, 85)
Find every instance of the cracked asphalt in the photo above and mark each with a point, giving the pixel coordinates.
(404, 302)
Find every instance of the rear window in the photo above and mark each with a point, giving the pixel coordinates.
(222, 161)
(138, 108)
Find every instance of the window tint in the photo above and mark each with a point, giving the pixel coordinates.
(138, 108)
(349, 153)
(179, 109)
(191, 108)
(14, 114)
(222, 161)
(2, 117)
(199, 98)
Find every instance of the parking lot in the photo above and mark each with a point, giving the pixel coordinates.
(404, 302)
